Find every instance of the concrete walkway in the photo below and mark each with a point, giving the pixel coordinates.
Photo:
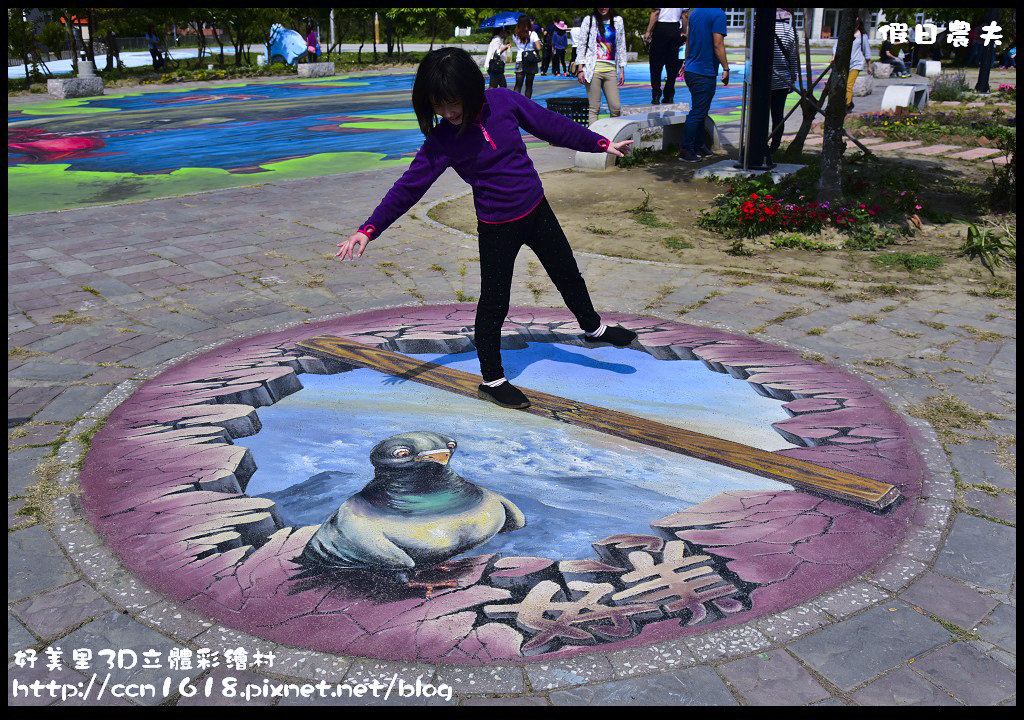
(102, 298)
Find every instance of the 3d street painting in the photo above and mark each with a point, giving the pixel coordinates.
(134, 146)
(336, 506)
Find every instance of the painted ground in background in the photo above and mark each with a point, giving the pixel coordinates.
(629, 545)
(124, 147)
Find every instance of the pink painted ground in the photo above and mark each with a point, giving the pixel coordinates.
(165, 486)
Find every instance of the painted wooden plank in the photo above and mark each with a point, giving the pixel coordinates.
(799, 473)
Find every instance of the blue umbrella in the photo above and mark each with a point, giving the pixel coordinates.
(501, 20)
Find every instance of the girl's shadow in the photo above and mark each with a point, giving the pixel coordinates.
(516, 363)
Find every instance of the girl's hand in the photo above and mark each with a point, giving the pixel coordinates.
(622, 77)
(581, 76)
(616, 148)
(348, 249)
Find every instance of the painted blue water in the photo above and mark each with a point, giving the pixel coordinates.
(575, 486)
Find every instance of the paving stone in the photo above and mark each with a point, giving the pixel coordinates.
(472, 680)
(55, 611)
(931, 149)
(652, 658)
(902, 686)
(1000, 628)
(855, 650)
(848, 600)
(726, 643)
(975, 153)
(170, 619)
(949, 600)
(71, 403)
(34, 435)
(571, 671)
(34, 563)
(1002, 506)
(20, 465)
(692, 686)
(979, 551)
(526, 700)
(117, 631)
(977, 463)
(44, 370)
(900, 145)
(18, 638)
(773, 678)
(970, 676)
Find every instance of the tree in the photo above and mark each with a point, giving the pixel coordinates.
(830, 185)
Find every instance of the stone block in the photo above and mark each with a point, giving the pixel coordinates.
(318, 69)
(929, 68)
(74, 87)
(905, 95)
(863, 85)
(881, 70)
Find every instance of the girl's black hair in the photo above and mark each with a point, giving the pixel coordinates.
(600, 22)
(447, 75)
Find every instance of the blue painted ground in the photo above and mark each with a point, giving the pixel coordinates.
(575, 486)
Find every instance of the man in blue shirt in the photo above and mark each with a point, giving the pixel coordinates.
(705, 51)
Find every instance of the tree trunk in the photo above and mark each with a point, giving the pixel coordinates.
(830, 184)
(110, 52)
(92, 35)
(220, 43)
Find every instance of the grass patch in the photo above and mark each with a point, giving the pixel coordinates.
(314, 280)
(997, 289)
(17, 353)
(947, 414)
(788, 315)
(463, 297)
(597, 231)
(983, 335)
(700, 303)
(91, 290)
(438, 268)
(933, 325)
(677, 243)
(535, 289)
(867, 319)
(906, 334)
(738, 249)
(813, 357)
(816, 331)
(800, 242)
(643, 213)
(72, 317)
(911, 262)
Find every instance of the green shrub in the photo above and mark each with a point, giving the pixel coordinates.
(802, 242)
(1003, 181)
(991, 248)
(949, 86)
(911, 262)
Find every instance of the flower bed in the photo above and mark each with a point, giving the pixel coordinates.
(758, 206)
(964, 126)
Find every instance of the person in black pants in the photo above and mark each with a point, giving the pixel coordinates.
(665, 33)
(785, 69)
(546, 56)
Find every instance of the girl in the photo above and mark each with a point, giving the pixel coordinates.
(493, 61)
(479, 137)
(527, 57)
(602, 60)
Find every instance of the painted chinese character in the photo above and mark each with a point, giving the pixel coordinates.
(260, 659)
(25, 657)
(553, 620)
(207, 658)
(679, 582)
(992, 31)
(958, 33)
(926, 33)
(151, 659)
(895, 33)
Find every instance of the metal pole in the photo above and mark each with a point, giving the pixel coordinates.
(760, 88)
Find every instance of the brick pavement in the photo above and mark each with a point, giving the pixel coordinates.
(151, 282)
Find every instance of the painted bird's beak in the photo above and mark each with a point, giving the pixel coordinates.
(439, 456)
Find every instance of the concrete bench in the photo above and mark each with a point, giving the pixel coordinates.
(929, 68)
(629, 127)
(316, 69)
(912, 95)
(74, 87)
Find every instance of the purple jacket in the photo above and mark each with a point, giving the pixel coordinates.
(491, 156)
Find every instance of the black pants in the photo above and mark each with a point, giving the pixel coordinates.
(545, 59)
(558, 62)
(528, 79)
(778, 112)
(499, 246)
(665, 42)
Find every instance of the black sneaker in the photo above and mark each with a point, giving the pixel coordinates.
(617, 336)
(507, 395)
(689, 156)
(703, 152)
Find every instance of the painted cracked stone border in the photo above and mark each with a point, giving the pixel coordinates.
(655, 341)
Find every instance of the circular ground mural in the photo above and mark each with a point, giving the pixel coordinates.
(371, 508)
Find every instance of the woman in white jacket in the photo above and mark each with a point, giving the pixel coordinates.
(601, 60)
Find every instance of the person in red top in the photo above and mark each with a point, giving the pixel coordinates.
(479, 137)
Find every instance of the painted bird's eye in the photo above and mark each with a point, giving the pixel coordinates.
(402, 452)
(451, 444)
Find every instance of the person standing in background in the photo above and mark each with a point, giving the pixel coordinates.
(493, 61)
(558, 43)
(785, 70)
(705, 51)
(527, 56)
(602, 60)
(546, 38)
(574, 39)
(860, 58)
(665, 33)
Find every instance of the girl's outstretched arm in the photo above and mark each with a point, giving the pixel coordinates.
(426, 167)
(560, 130)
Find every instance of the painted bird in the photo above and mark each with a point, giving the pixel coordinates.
(415, 512)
